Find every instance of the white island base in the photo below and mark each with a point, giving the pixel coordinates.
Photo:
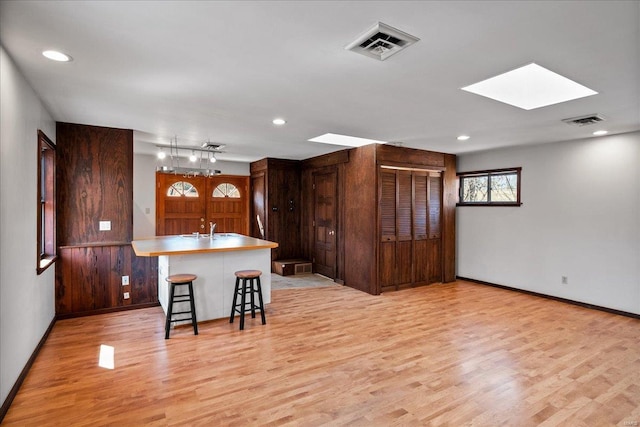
(214, 261)
(213, 289)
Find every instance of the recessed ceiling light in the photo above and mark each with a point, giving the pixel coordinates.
(349, 141)
(278, 122)
(600, 132)
(463, 137)
(54, 55)
(530, 87)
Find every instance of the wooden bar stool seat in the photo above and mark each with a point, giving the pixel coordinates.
(247, 281)
(175, 281)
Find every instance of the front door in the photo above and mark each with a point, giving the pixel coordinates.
(228, 204)
(324, 224)
(188, 204)
(180, 204)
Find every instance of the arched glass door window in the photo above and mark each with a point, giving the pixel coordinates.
(182, 188)
(226, 190)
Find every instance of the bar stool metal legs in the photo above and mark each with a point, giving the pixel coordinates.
(180, 280)
(247, 281)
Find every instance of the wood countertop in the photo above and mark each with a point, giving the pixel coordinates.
(188, 244)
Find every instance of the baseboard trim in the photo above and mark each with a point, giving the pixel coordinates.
(106, 310)
(565, 300)
(27, 367)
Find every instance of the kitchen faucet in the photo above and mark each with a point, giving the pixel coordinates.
(212, 228)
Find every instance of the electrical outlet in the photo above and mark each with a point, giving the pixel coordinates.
(126, 295)
(565, 280)
(125, 280)
(104, 226)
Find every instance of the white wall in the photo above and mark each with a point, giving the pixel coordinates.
(144, 196)
(26, 300)
(580, 218)
(144, 193)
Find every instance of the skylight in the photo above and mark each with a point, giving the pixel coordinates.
(349, 141)
(530, 87)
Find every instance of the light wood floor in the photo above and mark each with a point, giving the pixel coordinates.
(448, 354)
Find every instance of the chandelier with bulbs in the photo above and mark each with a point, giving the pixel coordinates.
(205, 158)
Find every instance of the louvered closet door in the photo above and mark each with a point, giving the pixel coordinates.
(387, 257)
(404, 244)
(421, 228)
(410, 221)
(435, 227)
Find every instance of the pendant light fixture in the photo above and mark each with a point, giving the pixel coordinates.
(174, 155)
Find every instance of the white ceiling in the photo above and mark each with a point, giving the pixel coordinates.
(221, 71)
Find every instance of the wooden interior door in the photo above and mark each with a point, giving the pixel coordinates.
(404, 229)
(228, 203)
(387, 214)
(324, 223)
(180, 204)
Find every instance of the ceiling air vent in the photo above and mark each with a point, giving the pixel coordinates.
(214, 146)
(584, 120)
(381, 41)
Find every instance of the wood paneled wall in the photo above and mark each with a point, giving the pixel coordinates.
(89, 279)
(275, 189)
(426, 257)
(95, 183)
(361, 220)
(358, 227)
(449, 200)
(333, 162)
(412, 158)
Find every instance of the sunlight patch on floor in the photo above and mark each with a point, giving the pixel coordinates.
(106, 357)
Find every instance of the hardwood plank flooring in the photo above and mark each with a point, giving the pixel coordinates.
(443, 355)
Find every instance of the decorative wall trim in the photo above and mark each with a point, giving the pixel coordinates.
(14, 390)
(107, 310)
(565, 300)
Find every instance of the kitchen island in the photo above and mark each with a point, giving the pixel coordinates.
(214, 261)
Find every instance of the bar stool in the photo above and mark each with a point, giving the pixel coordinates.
(175, 281)
(248, 277)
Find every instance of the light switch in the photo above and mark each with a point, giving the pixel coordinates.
(105, 225)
